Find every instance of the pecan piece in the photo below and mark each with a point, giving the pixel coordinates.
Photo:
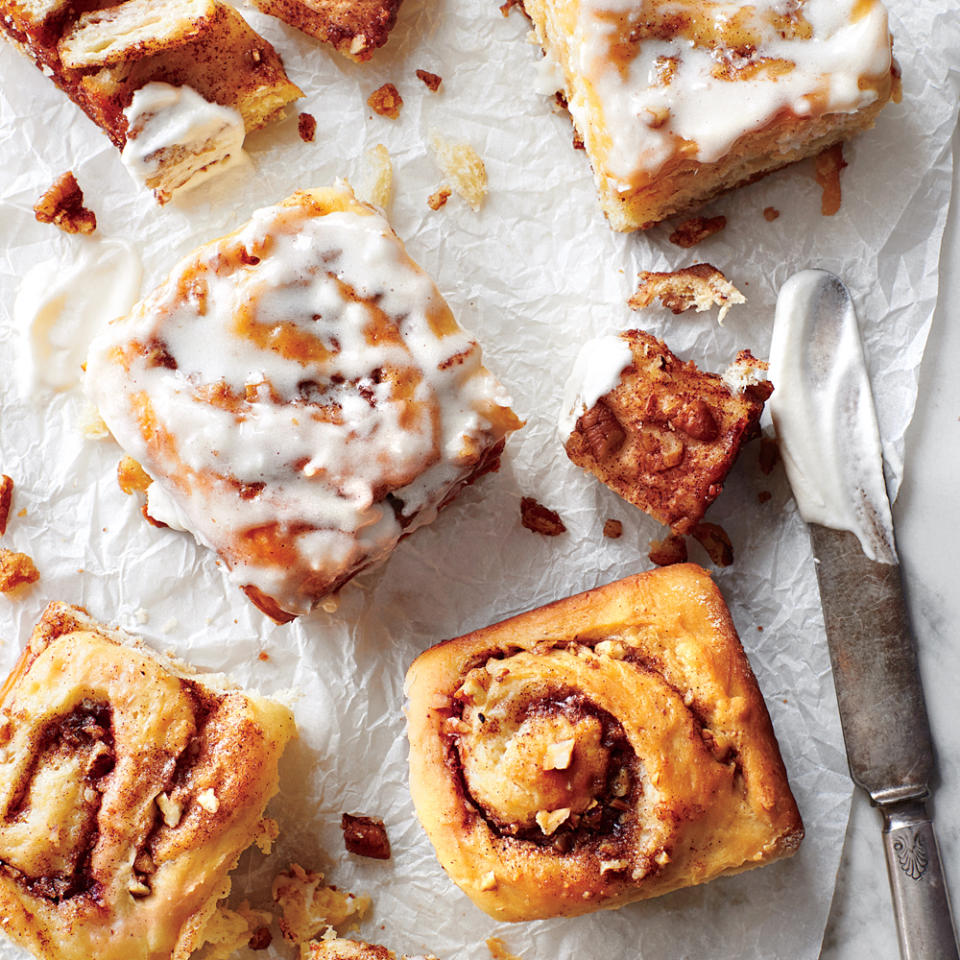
(432, 80)
(62, 205)
(365, 836)
(307, 127)
(713, 538)
(696, 420)
(613, 529)
(540, 519)
(601, 430)
(386, 101)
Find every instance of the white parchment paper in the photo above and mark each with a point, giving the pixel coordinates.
(533, 275)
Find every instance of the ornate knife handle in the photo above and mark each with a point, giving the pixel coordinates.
(920, 900)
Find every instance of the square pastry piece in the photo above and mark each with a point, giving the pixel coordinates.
(656, 430)
(128, 790)
(678, 100)
(301, 396)
(603, 749)
(175, 84)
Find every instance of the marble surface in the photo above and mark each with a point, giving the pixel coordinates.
(927, 521)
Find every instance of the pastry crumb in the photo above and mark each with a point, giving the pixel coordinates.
(267, 832)
(700, 286)
(613, 529)
(770, 214)
(6, 495)
(307, 127)
(377, 186)
(229, 930)
(696, 230)
(386, 101)
(714, 539)
(437, 199)
(540, 519)
(498, 949)
(431, 80)
(62, 205)
(308, 907)
(828, 165)
(672, 549)
(463, 168)
(131, 477)
(365, 836)
(16, 570)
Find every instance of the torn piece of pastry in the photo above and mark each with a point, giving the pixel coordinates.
(129, 787)
(309, 907)
(656, 430)
(301, 396)
(463, 168)
(62, 205)
(229, 930)
(679, 100)
(354, 28)
(386, 101)
(602, 749)
(175, 84)
(16, 570)
(376, 185)
(699, 286)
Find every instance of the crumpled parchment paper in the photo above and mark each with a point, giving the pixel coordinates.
(533, 275)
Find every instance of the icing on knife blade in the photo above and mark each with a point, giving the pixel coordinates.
(823, 412)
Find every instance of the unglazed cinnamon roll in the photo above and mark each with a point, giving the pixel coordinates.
(301, 396)
(606, 748)
(128, 790)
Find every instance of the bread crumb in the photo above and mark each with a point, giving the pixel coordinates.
(308, 907)
(713, 538)
(132, 477)
(828, 165)
(613, 529)
(377, 185)
(540, 519)
(770, 214)
(498, 949)
(6, 495)
(62, 205)
(700, 286)
(696, 229)
(267, 832)
(672, 549)
(463, 168)
(386, 101)
(307, 127)
(430, 79)
(16, 570)
(438, 198)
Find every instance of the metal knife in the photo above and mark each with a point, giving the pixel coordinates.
(823, 412)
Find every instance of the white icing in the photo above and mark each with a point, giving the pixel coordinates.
(596, 371)
(327, 439)
(175, 137)
(823, 412)
(61, 306)
(707, 110)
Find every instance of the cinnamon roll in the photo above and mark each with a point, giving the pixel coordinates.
(606, 748)
(301, 396)
(128, 790)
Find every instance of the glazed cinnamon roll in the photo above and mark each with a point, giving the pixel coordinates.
(301, 396)
(128, 790)
(606, 748)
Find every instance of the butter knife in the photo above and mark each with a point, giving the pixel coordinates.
(826, 423)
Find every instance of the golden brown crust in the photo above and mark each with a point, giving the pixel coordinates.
(696, 230)
(16, 570)
(150, 783)
(666, 436)
(634, 706)
(339, 949)
(355, 28)
(62, 205)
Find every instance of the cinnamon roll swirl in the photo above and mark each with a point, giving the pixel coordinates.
(301, 396)
(128, 790)
(606, 748)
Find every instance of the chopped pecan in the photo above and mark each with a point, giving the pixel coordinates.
(672, 549)
(713, 538)
(365, 836)
(386, 101)
(430, 79)
(665, 450)
(696, 229)
(613, 529)
(6, 495)
(696, 420)
(62, 205)
(260, 939)
(437, 199)
(307, 127)
(540, 519)
(770, 214)
(602, 430)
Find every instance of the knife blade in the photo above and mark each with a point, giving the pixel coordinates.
(823, 411)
